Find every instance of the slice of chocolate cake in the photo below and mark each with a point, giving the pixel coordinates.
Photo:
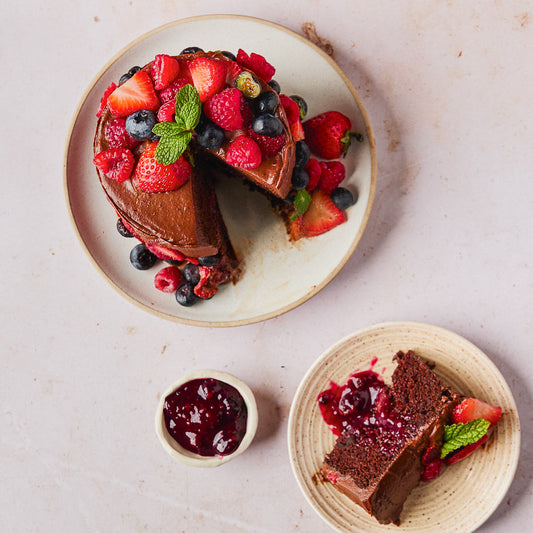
(384, 432)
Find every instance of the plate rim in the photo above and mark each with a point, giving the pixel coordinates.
(316, 288)
(428, 328)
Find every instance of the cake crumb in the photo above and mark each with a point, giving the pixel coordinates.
(309, 31)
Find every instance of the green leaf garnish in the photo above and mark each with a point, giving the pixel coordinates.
(301, 202)
(458, 435)
(176, 135)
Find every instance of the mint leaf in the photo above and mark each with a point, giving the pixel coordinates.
(170, 147)
(301, 202)
(458, 435)
(167, 129)
(188, 107)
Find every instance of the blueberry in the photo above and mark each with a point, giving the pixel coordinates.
(266, 103)
(139, 124)
(229, 55)
(185, 295)
(268, 125)
(191, 273)
(122, 229)
(129, 74)
(275, 85)
(191, 50)
(300, 178)
(209, 260)
(142, 258)
(209, 135)
(302, 104)
(343, 198)
(248, 84)
(302, 154)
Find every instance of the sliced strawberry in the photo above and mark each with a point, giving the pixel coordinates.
(244, 152)
(296, 228)
(151, 176)
(472, 409)
(103, 100)
(291, 108)
(257, 63)
(297, 131)
(168, 279)
(164, 253)
(322, 214)
(464, 452)
(332, 174)
(208, 76)
(233, 70)
(164, 71)
(169, 94)
(314, 170)
(115, 164)
(133, 95)
(224, 109)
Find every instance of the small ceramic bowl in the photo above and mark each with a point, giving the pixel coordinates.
(187, 457)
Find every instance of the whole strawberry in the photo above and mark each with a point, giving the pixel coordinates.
(151, 176)
(328, 135)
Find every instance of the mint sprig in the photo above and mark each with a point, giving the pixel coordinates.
(458, 435)
(176, 135)
(301, 203)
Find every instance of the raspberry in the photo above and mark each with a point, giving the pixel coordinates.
(257, 63)
(103, 101)
(269, 146)
(168, 279)
(166, 112)
(333, 172)
(314, 170)
(225, 109)
(115, 164)
(116, 135)
(206, 287)
(244, 153)
(169, 94)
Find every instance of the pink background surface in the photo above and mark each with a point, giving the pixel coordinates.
(447, 86)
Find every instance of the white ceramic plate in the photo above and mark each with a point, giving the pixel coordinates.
(278, 276)
(466, 493)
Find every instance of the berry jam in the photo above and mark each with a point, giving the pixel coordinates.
(363, 408)
(206, 416)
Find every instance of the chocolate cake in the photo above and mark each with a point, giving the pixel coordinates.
(384, 432)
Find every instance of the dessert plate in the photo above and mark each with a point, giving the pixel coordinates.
(466, 493)
(278, 276)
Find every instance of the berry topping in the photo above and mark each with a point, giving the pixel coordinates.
(328, 135)
(190, 50)
(225, 109)
(432, 470)
(207, 287)
(302, 104)
(266, 102)
(465, 451)
(209, 135)
(151, 176)
(167, 254)
(141, 258)
(471, 409)
(229, 55)
(269, 146)
(164, 71)
(140, 123)
(135, 94)
(208, 76)
(275, 85)
(129, 74)
(293, 116)
(116, 164)
(333, 173)
(342, 198)
(191, 273)
(257, 64)
(248, 84)
(314, 170)
(244, 153)
(268, 125)
(185, 295)
(166, 112)
(169, 94)
(322, 214)
(209, 260)
(116, 135)
(168, 279)
(300, 178)
(123, 230)
(103, 101)
(302, 154)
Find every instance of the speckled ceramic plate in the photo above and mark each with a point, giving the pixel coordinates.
(465, 494)
(278, 276)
